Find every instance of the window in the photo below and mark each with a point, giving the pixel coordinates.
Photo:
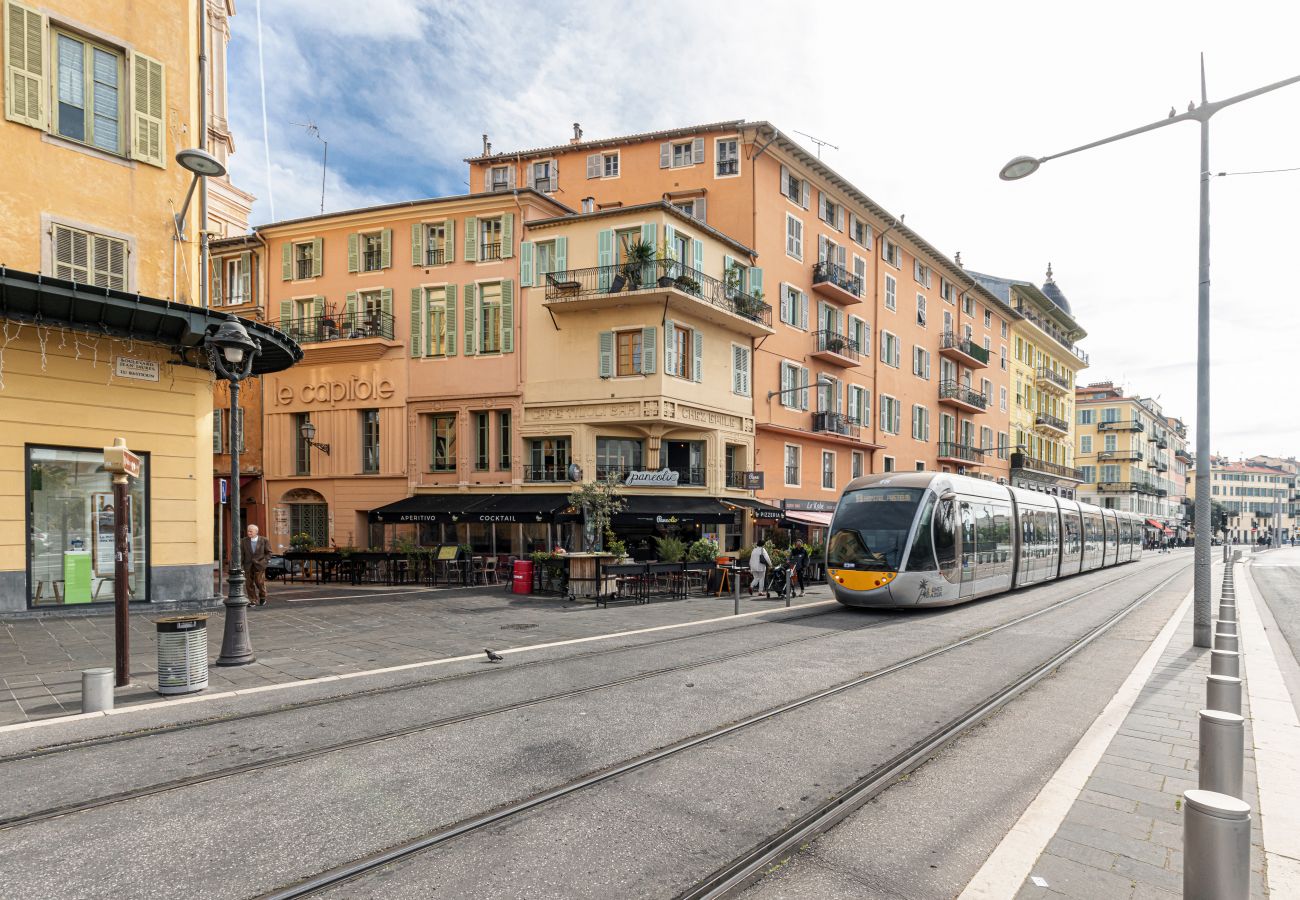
(921, 272)
(693, 208)
(1002, 397)
(889, 464)
(920, 310)
(306, 262)
(683, 154)
(1004, 452)
(859, 231)
(544, 260)
(830, 212)
(792, 452)
(372, 252)
(859, 406)
(548, 459)
(237, 277)
(828, 470)
(489, 238)
(920, 422)
(1088, 473)
(440, 314)
(946, 291)
(444, 443)
(544, 176)
(500, 178)
(302, 449)
(1087, 416)
(891, 292)
(793, 379)
(628, 345)
(856, 460)
(617, 456)
(792, 303)
(986, 388)
(1111, 442)
(1085, 444)
(968, 305)
(794, 188)
(1004, 332)
(890, 253)
(88, 106)
(370, 441)
(890, 413)
(1003, 357)
(740, 369)
(482, 452)
(680, 351)
(435, 244)
(588, 204)
(1110, 473)
(793, 237)
(89, 258)
(860, 334)
(489, 314)
(921, 362)
(727, 157)
(503, 440)
(602, 165)
(890, 353)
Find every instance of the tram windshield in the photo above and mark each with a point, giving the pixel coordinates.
(871, 528)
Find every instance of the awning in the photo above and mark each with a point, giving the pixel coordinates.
(25, 297)
(809, 518)
(760, 509)
(426, 508)
(660, 509)
(1158, 526)
(515, 508)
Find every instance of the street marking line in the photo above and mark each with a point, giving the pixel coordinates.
(1011, 863)
(1276, 732)
(323, 679)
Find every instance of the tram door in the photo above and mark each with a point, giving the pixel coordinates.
(968, 551)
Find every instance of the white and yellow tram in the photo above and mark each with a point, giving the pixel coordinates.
(932, 539)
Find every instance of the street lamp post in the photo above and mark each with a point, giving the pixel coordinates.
(1023, 166)
(232, 352)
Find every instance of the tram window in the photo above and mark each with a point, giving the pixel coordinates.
(945, 538)
(871, 528)
(1002, 533)
(986, 534)
(921, 559)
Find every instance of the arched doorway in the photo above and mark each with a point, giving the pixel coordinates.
(308, 514)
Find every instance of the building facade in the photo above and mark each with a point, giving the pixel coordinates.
(1259, 496)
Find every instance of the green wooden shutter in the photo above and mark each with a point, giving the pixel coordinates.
(670, 347)
(246, 276)
(471, 345)
(417, 317)
(386, 303)
(350, 310)
(386, 248)
(697, 365)
(450, 320)
(648, 351)
(449, 241)
(317, 256)
(24, 83)
(803, 310)
(318, 308)
(561, 254)
(507, 315)
(670, 245)
(803, 384)
(286, 262)
(605, 256)
(214, 281)
(147, 110)
(217, 443)
(648, 233)
(507, 235)
(606, 353)
(525, 263)
(665, 155)
(417, 244)
(354, 252)
(286, 314)
(471, 239)
(698, 248)
(755, 281)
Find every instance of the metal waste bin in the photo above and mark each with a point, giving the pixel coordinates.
(523, 576)
(182, 654)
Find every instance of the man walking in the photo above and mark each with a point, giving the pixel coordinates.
(799, 559)
(256, 554)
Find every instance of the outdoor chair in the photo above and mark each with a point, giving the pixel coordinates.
(490, 570)
(562, 287)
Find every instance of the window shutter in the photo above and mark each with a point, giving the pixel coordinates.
(470, 333)
(318, 307)
(286, 262)
(927, 364)
(246, 275)
(417, 244)
(449, 321)
(785, 398)
(821, 248)
(417, 318)
(803, 310)
(449, 240)
(350, 309)
(839, 321)
(648, 337)
(840, 256)
(648, 233)
(508, 236)
(593, 165)
(803, 385)
(471, 240)
(839, 218)
(697, 248)
(24, 66)
(605, 352)
(698, 150)
(149, 98)
(507, 315)
(605, 256)
(286, 313)
(839, 396)
(510, 177)
(740, 370)
(214, 281)
(317, 256)
(805, 192)
(665, 155)
(728, 263)
(354, 252)
(670, 347)
(697, 367)
(700, 209)
(386, 248)
(217, 414)
(525, 263)
(670, 235)
(386, 302)
(755, 281)
(561, 254)
(785, 178)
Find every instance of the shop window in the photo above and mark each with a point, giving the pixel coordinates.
(548, 460)
(615, 457)
(370, 441)
(444, 443)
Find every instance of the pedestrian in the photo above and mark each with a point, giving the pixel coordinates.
(256, 554)
(759, 562)
(799, 559)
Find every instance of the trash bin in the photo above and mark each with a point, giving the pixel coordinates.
(182, 654)
(523, 576)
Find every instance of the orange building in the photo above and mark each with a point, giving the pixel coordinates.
(885, 354)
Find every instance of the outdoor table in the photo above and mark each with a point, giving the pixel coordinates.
(584, 573)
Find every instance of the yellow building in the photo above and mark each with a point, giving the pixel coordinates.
(99, 96)
(1043, 364)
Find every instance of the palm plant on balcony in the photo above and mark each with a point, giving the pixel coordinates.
(638, 268)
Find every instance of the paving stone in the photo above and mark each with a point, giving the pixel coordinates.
(1142, 872)
(1101, 839)
(1075, 879)
(1081, 853)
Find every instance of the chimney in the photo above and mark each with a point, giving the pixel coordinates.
(577, 133)
(487, 146)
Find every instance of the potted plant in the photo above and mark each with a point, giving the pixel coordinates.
(639, 263)
(671, 549)
(703, 550)
(301, 541)
(598, 500)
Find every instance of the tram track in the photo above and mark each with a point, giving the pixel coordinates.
(742, 870)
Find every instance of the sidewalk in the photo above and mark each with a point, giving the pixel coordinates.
(1110, 822)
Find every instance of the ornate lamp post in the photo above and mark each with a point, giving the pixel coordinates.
(232, 352)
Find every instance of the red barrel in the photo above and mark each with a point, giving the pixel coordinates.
(523, 577)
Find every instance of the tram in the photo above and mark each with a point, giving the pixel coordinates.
(908, 539)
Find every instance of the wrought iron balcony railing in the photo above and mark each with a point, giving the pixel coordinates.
(435, 256)
(833, 273)
(337, 326)
(578, 284)
(952, 390)
(834, 423)
(1122, 425)
(490, 251)
(1054, 377)
(1042, 466)
(950, 341)
(1116, 455)
(834, 342)
(1051, 421)
(547, 473)
(372, 261)
(963, 452)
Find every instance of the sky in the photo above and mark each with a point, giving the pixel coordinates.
(924, 102)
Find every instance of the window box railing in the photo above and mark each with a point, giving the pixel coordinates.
(791, 474)
(951, 341)
(304, 268)
(834, 423)
(693, 477)
(372, 261)
(337, 326)
(834, 342)
(827, 272)
(579, 284)
(963, 452)
(1042, 466)
(369, 460)
(546, 473)
(1050, 421)
(435, 257)
(544, 185)
(617, 472)
(490, 250)
(953, 390)
(728, 166)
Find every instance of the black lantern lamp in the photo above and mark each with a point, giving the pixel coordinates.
(308, 432)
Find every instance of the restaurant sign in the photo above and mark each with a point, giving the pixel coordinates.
(753, 481)
(662, 478)
(825, 506)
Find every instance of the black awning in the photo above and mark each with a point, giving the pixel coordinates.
(427, 508)
(516, 508)
(667, 509)
(39, 299)
(760, 509)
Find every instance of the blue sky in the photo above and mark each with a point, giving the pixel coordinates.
(925, 101)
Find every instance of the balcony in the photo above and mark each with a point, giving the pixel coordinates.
(1051, 331)
(1162, 441)
(1052, 380)
(836, 349)
(338, 326)
(834, 423)
(1183, 456)
(834, 281)
(1120, 456)
(962, 397)
(1051, 424)
(1120, 425)
(964, 454)
(1161, 466)
(964, 351)
(556, 473)
(489, 251)
(1027, 463)
(435, 256)
(687, 290)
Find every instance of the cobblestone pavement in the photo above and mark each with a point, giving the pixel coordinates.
(306, 631)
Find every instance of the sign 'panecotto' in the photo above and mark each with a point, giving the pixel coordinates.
(662, 478)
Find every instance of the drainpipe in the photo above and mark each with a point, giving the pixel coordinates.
(875, 357)
(203, 145)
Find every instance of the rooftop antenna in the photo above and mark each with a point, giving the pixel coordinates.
(818, 141)
(315, 132)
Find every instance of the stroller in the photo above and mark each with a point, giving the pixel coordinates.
(780, 580)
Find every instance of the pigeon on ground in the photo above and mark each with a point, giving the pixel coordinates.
(493, 656)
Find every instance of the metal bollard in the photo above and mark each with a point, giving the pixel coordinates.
(1225, 627)
(736, 579)
(1222, 750)
(1216, 847)
(1227, 612)
(1223, 693)
(1225, 662)
(96, 690)
(1224, 641)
